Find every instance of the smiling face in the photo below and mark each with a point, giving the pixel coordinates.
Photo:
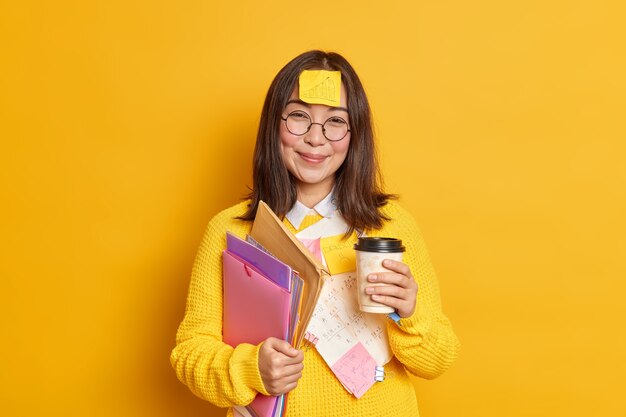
(311, 158)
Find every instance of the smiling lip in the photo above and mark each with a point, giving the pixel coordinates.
(313, 158)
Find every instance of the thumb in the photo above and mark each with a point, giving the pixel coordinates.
(284, 347)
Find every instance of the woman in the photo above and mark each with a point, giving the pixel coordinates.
(313, 162)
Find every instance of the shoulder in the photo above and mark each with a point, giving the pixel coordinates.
(402, 225)
(401, 222)
(231, 213)
(393, 210)
(226, 220)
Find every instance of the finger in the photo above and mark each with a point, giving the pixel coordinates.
(277, 369)
(294, 369)
(282, 347)
(287, 379)
(284, 375)
(289, 387)
(286, 349)
(397, 266)
(280, 360)
(396, 303)
(391, 278)
(391, 290)
(270, 343)
(285, 384)
(292, 360)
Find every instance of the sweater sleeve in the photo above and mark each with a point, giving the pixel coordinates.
(213, 370)
(424, 343)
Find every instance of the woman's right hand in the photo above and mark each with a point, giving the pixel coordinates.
(280, 365)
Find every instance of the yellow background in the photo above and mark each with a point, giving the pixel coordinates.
(125, 125)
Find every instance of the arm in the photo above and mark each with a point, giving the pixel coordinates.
(424, 342)
(213, 370)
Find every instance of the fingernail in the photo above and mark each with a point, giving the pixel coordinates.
(369, 290)
(375, 297)
(386, 262)
(372, 278)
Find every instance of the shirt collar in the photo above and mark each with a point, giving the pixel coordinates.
(299, 211)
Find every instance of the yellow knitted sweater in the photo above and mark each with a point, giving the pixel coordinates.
(423, 344)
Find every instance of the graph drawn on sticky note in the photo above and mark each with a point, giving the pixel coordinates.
(356, 370)
(320, 87)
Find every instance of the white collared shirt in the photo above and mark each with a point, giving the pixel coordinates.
(325, 208)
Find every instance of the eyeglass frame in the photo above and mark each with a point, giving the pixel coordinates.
(311, 123)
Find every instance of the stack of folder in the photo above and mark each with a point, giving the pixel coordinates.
(271, 286)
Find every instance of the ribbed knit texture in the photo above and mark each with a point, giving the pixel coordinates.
(309, 219)
(424, 344)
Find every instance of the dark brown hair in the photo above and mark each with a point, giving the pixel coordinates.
(358, 192)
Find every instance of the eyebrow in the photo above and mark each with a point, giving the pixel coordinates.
(297, 101)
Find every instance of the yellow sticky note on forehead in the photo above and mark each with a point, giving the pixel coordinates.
(320, 87)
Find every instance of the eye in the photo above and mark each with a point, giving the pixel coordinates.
(299, 115)
(336, 121)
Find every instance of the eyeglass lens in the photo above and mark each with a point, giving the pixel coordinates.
(334, 128)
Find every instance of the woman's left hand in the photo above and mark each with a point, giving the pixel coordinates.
(399, 291)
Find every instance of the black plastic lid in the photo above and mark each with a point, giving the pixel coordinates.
(379, 244)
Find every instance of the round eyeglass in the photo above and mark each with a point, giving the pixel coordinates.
(299, 123)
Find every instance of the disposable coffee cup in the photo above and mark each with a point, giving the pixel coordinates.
(370, 254)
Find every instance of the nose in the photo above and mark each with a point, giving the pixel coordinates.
(315, 135)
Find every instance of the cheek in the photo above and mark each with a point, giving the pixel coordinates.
(341, 148)
(286, 139)
(287, 143)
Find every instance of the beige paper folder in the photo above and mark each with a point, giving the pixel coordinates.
(270, 232)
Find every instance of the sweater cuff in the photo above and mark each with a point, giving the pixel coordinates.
(245, 367)
(418, 324)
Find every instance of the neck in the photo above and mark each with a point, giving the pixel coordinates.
(311, 194)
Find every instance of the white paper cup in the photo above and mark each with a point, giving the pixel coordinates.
(370, 253)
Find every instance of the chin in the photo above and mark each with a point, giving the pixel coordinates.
(311, 181)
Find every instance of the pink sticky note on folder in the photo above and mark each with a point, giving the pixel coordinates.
(313, 245)
(356, 370)
(255, 308)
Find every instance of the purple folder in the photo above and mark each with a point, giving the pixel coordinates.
(269, 266)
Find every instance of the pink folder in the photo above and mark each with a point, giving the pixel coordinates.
(255, 308)
(264, 263)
